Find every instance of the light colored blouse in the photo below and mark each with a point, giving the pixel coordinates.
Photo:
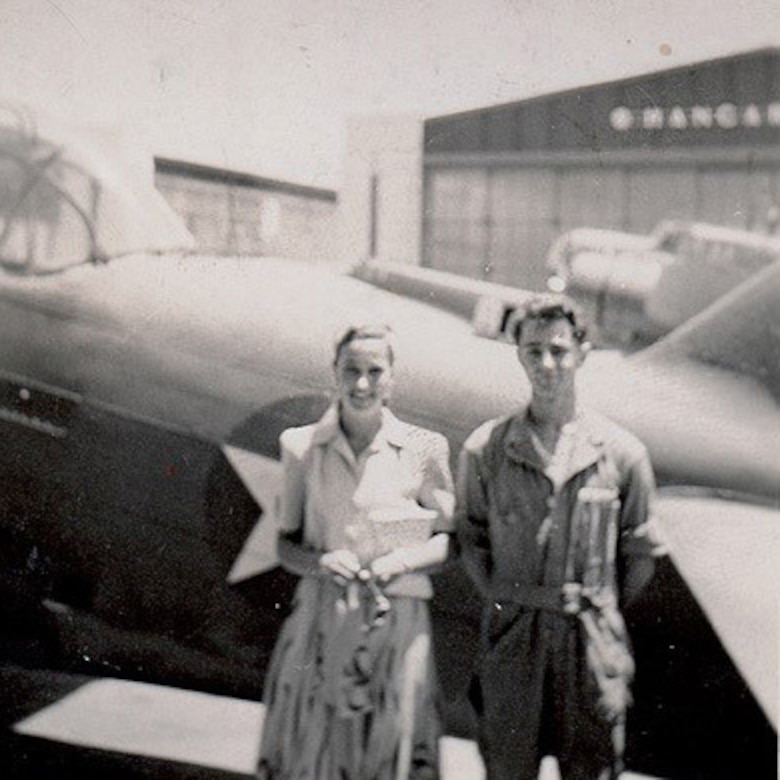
(330, 493)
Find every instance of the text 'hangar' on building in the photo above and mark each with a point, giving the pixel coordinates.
(484, 193)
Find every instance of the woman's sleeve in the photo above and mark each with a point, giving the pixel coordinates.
(437, 491)
(293, 495)
(294, 555)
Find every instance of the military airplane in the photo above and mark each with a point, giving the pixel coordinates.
(636, 288)
(142, 392)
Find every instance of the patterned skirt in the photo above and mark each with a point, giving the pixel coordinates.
(350, 691)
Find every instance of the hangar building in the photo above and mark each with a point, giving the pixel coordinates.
(484, 193)
(235, 213)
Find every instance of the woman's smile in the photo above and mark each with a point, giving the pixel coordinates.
(364, 375)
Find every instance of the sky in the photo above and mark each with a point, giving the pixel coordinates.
(267, 86)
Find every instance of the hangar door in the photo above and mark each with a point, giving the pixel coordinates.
(738, 196)
(490, 223)
(498, 223)
(590, 197)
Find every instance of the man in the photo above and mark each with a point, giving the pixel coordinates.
(554, 524)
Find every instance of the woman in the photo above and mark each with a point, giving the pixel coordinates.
(366, 509)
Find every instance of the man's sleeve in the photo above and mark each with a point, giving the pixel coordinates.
(639, 533)
(640, 541)
(471, 519)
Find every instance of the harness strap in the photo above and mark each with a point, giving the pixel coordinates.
(571, 598)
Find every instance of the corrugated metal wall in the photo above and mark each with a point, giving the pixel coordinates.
(498, 224)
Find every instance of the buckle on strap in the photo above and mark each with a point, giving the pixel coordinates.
(577, 598)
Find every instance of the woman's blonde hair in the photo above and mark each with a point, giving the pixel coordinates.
(366, 331)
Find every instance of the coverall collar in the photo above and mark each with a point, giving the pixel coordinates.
(587, 447)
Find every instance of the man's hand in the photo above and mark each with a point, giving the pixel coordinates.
(639, 572)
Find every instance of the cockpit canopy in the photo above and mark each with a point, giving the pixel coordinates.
(63, 202)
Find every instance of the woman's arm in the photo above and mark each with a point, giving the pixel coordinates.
(296, 558)
(304, 561)
(294, 555)
(425, 558)
(436, 490)
(437, 493)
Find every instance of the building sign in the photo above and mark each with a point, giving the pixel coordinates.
(725, 116)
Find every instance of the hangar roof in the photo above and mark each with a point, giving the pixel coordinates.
(239, 178)
(725, 101)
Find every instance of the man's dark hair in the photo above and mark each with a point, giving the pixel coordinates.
(548, 307)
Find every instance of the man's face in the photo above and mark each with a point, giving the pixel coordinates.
(550, 355)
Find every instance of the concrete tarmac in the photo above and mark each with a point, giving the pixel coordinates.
(70, 726)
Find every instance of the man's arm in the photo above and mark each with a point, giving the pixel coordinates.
(471, 520)
(640, 542)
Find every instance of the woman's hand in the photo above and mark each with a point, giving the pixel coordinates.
(342, 564)
(426, 558)
(388, 566)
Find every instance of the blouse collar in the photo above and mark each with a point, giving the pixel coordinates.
(392, 431)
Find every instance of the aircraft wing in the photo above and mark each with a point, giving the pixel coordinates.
(458, 294)
(727, 552)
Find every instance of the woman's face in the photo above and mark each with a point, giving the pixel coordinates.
(364, 375)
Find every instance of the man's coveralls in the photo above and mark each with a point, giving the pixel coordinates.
(548, 545)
